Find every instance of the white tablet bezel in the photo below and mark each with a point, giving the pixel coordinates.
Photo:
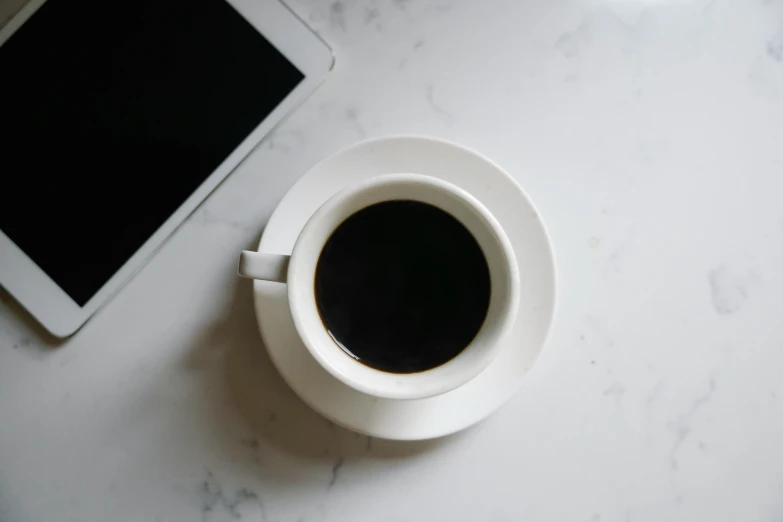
(39, 294)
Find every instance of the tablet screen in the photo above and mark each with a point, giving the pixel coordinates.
(115, 112)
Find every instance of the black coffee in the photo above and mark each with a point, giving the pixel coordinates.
(402, 286)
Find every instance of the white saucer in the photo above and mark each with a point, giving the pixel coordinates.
(459, 408)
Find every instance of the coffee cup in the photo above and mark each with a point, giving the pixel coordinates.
(499, 297)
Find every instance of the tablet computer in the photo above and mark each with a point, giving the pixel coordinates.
(119, 119)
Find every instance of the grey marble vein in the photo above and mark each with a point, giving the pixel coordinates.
(616, 391)
(775, 48)
(728, 291)
(445, 116)
(418, 44)
(337, 15)
(352, 115)
(335, 471)
(567, 45)
(653, 396)
(682, 425)
(243, 495)
(23, 342)
(213, 496)
(284, 140)
(210, 493)
(371, 14)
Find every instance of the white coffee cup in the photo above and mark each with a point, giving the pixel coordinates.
(298, 272)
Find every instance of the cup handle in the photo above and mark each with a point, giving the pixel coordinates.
(267, 267)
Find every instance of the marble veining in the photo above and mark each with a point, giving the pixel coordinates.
(371, 14)
(337, 15)
(418, 44)
(775, 47)
(335, 471)
(616, 391)
(568, 44)
(401, 4)
(213, 498)
(352, 115)
(653, 396)
(682, 425)
(728, 290)
(437, 109)
(22, 342)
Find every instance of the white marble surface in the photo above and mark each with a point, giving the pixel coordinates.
(650, 135)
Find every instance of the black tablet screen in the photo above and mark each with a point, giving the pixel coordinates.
(114, 113)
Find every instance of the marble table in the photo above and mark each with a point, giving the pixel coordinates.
(649, 134)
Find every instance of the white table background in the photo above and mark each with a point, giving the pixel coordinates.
(650, 135)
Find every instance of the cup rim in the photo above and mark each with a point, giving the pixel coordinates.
(371, 381)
